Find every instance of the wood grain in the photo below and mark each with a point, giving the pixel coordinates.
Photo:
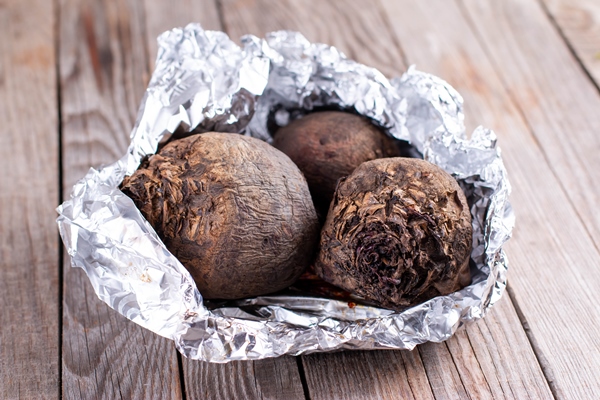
(367, 375)
(29, 258)
(469, 364)
(554, 263)
(106, 356)
(488, 359)
(164, 15)
(103, 74)
(506, 365)
(553, 93)
(579, 23)
(264, 379)
(357, 28)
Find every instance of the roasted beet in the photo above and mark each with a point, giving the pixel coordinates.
(234, 210)
(398, 232)
(329, 145)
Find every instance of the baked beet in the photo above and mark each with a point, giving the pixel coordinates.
(234, 210)
(398, 233)
(329, 145)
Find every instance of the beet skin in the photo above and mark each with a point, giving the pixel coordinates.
(234, 210)
(329, 145)
(398, 233)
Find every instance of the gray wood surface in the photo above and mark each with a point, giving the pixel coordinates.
(103, 75)
(367, 375)
(264, 379)
(578, 21)
(361, 32)
(72, 74)
(29, 252)
(544, 79)
(164, 15)
(554, 261)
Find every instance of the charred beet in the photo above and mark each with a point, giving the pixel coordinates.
(234, 210)
(398, 233)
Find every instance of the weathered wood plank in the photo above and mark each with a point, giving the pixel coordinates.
(163, 15)
(579, 22)
(272, 378)
(103, 72)
(443, 375)
(29, 257)
(564, 119)
(488, 359)
(367, 375)
(554, 263)
(469, 364)
(265, 379)
(106, 356)
(508, 366)
(357, 28)
(553, 92)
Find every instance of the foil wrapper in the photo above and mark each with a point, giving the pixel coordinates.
(203, 81)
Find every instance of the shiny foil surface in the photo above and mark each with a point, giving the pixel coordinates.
(203, 81)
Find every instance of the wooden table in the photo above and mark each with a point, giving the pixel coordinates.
(72, 74)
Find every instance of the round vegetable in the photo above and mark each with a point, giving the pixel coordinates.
(398, 233)
(234, 210)
(329, 145)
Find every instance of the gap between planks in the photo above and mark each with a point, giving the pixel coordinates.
(61, 251)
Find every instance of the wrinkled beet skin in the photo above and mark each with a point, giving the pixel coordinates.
(234, 210)
(398, 233)
(329, 145)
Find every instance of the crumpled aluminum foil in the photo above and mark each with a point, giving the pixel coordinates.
(203, 81)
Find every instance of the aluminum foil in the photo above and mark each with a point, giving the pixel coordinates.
(203, 81)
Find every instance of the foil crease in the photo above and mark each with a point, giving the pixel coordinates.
(203, 81)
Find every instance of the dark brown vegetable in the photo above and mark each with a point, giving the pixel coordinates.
(329, 145)
(234, 210)
(398, 233)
